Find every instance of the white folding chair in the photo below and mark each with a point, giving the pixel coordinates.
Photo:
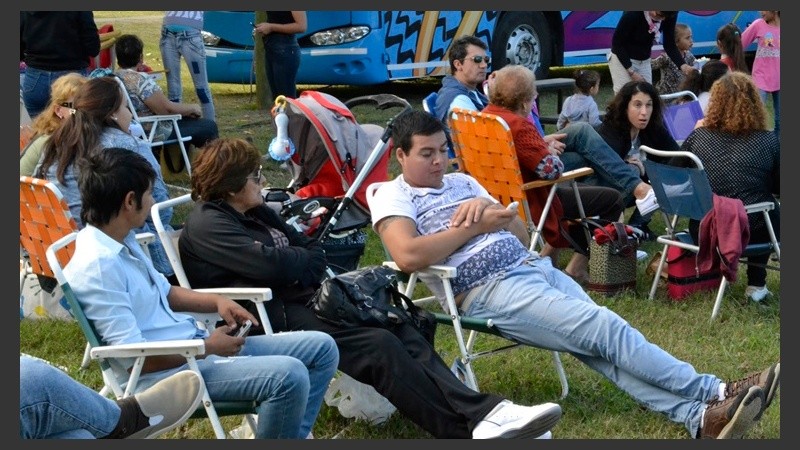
(115, 375)
(153, 121)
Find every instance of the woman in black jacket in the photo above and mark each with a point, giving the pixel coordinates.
(634, 118)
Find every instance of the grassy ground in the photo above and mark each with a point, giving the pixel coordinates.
(745, 337)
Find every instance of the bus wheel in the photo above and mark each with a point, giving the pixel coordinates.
(523, 38)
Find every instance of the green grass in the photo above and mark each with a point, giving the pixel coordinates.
(744, 338)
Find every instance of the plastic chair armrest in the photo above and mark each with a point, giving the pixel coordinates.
(759, 207)
(436, 270)
(185, 347)
(255, 295)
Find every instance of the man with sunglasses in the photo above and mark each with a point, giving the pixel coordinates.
(577, 145)
(468, 67)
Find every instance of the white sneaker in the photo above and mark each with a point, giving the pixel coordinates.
(756, 293)
(511, 421)
(546, 435)
(641, 255)
(647, 204)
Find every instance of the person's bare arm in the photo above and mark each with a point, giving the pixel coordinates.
(413, 252)
(160, 104)
(299, 25)
(186, 300)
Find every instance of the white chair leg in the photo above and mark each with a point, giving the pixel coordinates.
(562, 375)
(86, 357)
(718, 301)
(657, 276)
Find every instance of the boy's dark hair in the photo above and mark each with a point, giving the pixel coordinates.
(129, 50)
(410, 123)
(105, 178)
(585, 79)
(458, 49)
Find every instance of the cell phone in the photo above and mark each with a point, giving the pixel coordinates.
(243, 329)
(252, 24)
(512, 206)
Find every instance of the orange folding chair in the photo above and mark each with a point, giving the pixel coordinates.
(484, 149)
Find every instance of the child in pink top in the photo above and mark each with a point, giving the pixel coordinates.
(766, 31)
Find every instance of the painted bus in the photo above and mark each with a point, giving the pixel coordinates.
(373, 47)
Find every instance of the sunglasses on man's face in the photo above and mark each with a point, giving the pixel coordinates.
(479, 59)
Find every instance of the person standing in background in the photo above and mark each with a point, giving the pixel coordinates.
(53, 43)
(282, 50)
(766, 31)
(632, 43)
(180, 36)
(729, 42)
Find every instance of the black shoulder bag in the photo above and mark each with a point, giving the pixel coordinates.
(368, 297)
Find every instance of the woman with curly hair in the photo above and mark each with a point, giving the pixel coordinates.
(742, 158)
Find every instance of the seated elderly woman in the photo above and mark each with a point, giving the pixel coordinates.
(511, 97)
(232, 238)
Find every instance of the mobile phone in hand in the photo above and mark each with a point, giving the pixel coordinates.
(242, 330)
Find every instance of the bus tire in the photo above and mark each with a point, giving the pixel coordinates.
(523, 38)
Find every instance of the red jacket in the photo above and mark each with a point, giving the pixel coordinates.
(724, 233)
(531, 148)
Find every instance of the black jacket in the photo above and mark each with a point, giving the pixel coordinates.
(57, 40)
(220, 247)
(656, 137)
(632, 39)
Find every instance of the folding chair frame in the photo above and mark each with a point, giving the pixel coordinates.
(189, 349)
(673, 213)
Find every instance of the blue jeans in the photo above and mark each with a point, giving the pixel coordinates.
(586, 148)
(36, 87)
(287, 375)
(283, 61)
(539, 305)
(52, 405)
(776, 107)
(188, 44)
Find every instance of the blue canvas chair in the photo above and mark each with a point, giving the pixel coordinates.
(685, 193)
(680, 118)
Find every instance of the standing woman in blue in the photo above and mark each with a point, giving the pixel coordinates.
(282, 50)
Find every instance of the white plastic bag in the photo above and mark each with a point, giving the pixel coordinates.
(359, 400)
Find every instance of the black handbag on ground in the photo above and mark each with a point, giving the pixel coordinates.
(368, 297)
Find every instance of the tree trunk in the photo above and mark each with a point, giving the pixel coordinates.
(264, 98)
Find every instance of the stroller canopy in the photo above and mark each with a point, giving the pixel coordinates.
(331, 147)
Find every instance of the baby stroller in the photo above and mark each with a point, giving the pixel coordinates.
(333, 160)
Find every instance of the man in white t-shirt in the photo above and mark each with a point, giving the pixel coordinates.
(426, 216)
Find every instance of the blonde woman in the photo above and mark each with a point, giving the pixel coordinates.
(61, 94)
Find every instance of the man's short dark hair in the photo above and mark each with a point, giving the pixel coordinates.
(105, 178)
(128, 49)
(410, 123)
(458, 49)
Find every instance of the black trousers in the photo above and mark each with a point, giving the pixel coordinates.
(600, 201)
(403, 367)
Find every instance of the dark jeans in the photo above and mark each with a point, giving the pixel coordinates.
(283, 61)
(201, 130)
(600, 201)
(403, 367)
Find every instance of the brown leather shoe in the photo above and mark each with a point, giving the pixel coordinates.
(768, 380)
(732, 417)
